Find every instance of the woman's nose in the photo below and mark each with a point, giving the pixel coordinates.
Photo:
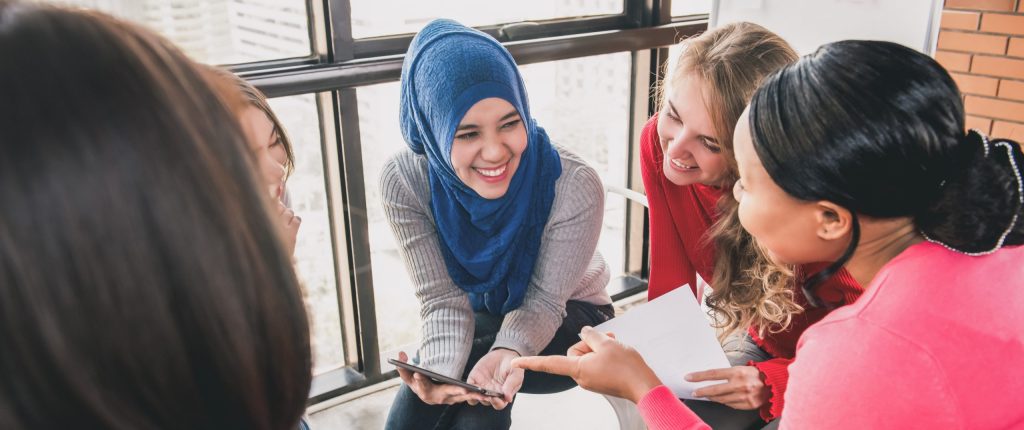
(494, 150)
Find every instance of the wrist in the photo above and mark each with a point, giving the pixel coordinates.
(508, 350)
(642, 386)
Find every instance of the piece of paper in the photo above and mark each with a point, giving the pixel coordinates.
(674, 337)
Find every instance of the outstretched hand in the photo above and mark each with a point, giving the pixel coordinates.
(600, 364)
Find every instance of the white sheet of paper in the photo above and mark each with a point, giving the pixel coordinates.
(674, 337)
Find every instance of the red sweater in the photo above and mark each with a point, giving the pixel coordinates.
(680, 218)
(935, 342)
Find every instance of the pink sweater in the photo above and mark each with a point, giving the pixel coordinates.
(936, 341)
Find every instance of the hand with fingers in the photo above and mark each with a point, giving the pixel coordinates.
(289, 223)
(744, 387)
(432, 393)
(600, 364)
(494, 372)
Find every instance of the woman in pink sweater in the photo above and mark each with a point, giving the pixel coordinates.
(857, 155)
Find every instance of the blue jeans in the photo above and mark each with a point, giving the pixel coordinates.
(409, 412)
(739, 349)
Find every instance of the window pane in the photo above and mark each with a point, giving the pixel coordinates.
(398, 321)
(219, 31)
(314, 256)
(690, 7)
(582, 103)
(378, 18)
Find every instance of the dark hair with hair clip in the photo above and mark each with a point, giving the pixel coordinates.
(878, 128)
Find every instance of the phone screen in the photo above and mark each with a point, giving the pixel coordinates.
(441, 379)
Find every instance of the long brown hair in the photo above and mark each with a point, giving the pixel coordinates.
(139, 288)
(239, 94)
(747, 287)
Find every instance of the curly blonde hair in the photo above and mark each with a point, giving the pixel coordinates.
(748, 289)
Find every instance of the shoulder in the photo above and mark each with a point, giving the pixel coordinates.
(404, 173)
(578, 178)
(406, 164)
(847, 366)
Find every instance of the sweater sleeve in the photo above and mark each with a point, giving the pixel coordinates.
(670, 266)
(566, 253)
(447, 329)
(776, 376)
(661, 410)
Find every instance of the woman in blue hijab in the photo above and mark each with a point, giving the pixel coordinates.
(497, 227)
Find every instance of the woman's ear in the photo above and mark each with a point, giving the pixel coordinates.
(834, 221)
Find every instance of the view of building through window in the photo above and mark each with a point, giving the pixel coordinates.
(583, 104)
(377, 18)
(219, 31)
(690, 7)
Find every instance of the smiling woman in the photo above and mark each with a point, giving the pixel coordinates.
(487, 147)
(498, 229)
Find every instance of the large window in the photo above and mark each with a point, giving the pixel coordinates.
(584, 106)
(332, 69)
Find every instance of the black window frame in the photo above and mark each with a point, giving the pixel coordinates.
(339, 64)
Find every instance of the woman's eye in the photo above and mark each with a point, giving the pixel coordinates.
(711, 146)
(467, 136)
(511, 124)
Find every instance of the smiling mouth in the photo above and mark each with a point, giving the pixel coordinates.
(679, 165)
(492, 173)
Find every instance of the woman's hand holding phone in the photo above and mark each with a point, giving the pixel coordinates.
(494, 372)
(436, 394)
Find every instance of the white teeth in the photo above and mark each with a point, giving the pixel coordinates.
(493, 172)
(680, 165)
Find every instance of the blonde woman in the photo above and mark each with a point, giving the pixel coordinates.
(689, 169)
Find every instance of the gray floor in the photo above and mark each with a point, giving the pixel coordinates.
(575, 408)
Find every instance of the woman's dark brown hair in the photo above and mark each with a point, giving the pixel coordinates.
(138, 286)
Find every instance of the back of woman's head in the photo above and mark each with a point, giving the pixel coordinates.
(878, 129)
(141, 282)
(731, 61)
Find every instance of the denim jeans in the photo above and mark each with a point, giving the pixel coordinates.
(739, 349)
(409, 412)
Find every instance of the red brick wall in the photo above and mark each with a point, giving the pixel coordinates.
(981, 43)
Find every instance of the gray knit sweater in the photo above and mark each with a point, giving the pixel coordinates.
(567, 267)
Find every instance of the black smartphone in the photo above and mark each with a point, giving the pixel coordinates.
(441, 379)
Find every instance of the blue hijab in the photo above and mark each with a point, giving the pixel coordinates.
(489, 246)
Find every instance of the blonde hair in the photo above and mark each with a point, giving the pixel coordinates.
(747, 287)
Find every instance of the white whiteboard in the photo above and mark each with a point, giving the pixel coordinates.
(808, 24)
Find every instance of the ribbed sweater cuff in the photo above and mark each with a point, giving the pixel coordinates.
(511, 343)
(661, 410)
(776, 375)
